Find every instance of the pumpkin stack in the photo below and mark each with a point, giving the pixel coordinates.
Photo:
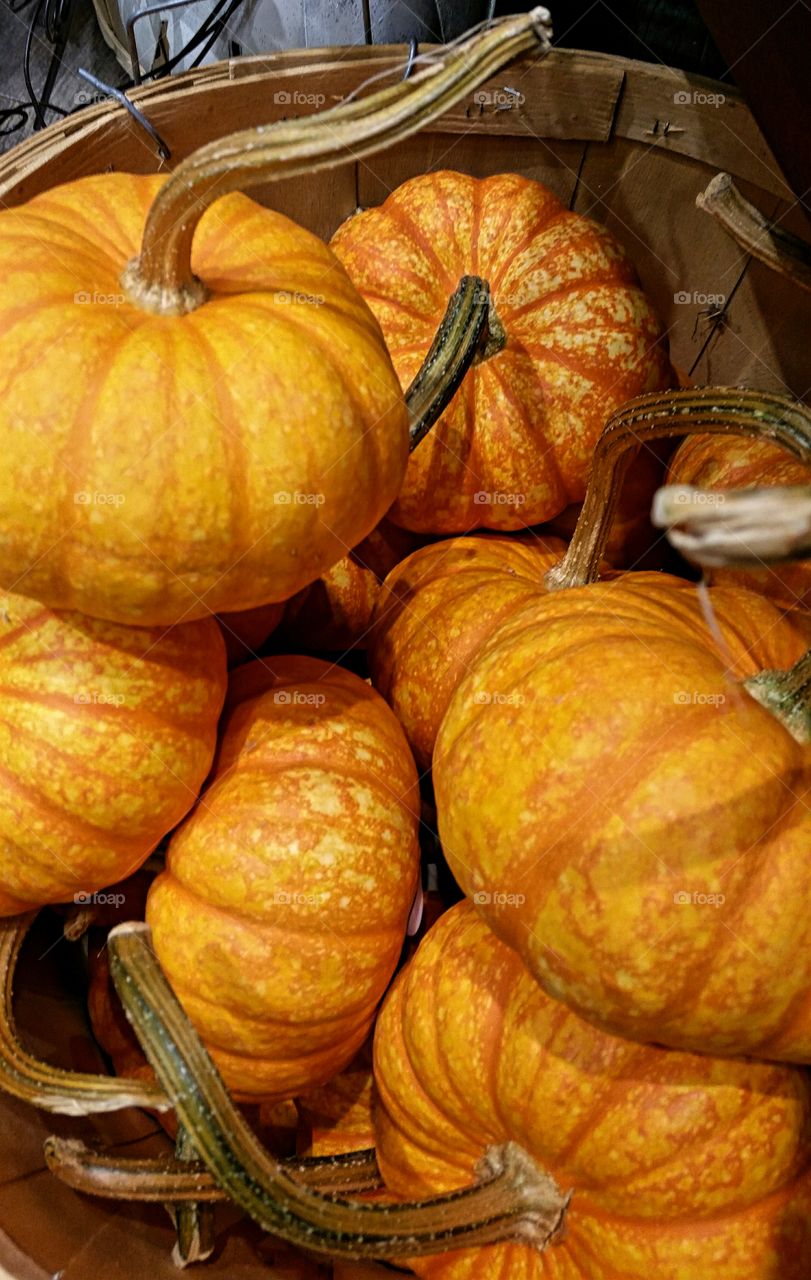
(337, 543)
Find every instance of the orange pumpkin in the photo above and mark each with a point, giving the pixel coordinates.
(108, 733)
(338, 1116)
(681, 1165)
(436, 611)
(736, 462)
(572, 337)
(335, 612)
(620, 790)
(244, 633)
(283, 907)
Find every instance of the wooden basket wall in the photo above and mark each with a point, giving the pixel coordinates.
(629, 143)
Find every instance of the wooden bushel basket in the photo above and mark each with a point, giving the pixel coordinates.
(630, 144)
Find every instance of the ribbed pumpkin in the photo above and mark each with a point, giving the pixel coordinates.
(632, 820)
(572, 337)
(107, 733)
(335, 612)
(283, 907)
(681, 1165)
(210, 461)
(736, 462)
(435, 612)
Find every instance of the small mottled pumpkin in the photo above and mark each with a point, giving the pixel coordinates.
(738, 462)
(335, 612)
(107, 734)
(572, 336)
(282, 911)
(622, 788)
(681, 1165)
(211, 461)
(435, 612)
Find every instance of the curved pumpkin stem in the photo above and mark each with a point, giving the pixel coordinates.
(70, 1093)
(193, 1218)
(515, 1200)
(161, 279)
(168, 1179)
(463, 334)
(779, 249)
(701, 411)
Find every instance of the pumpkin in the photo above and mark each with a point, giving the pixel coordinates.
(108, 733)
(681, 1165)
(335, 612)
(244, 633)
(572, 337)
(208, 424)
(435, 612)
(620, 780)
(736, 462)
(282, 911)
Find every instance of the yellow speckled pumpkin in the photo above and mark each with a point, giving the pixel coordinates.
(737, 462)
(283, 907)
(107, 733)
(682, 1166)
(620, 790)
(338, 1116)
(573, 336)
(210, 461)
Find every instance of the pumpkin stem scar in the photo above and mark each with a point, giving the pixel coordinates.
(161, 279)
(166, 1179)
(787, 694)
(69, 1093)
(765, 415)
(515, 1200)
(463, 335)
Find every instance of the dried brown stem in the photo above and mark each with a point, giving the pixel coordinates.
(779, 249)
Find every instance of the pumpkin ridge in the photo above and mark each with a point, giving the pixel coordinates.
(260, 928)
(249, 762)
(510, 312)
(51, 212)
(523, 420)
(539, 227)
(403, 219)
(24, 628)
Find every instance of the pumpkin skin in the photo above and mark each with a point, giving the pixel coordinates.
(282, 911)
(244, 633)
(435, 612)
(335, 613)
(682, 1165)
(107, 734)
(177, 434)
(739, 462)
(513, 449)
(608, 783)
(338, 1117)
